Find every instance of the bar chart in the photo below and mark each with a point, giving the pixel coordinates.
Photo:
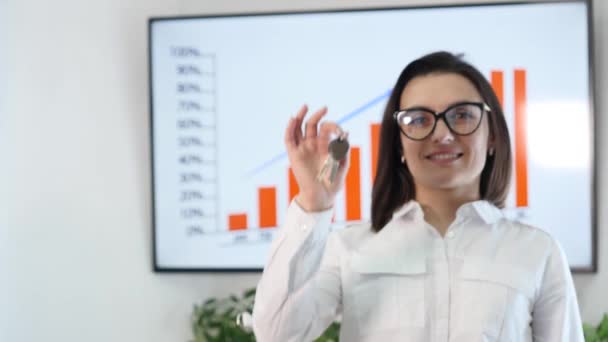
(267, 204)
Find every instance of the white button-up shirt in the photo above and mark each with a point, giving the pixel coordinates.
(489, 279)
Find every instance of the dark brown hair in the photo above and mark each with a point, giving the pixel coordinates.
(394, 184)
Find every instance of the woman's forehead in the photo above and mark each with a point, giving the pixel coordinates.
(438, 91)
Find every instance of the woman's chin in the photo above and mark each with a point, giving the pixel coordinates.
(445, 183)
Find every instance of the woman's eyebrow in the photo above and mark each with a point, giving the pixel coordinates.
(446, 107)
(418, 107)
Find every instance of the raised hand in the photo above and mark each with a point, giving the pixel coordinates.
(307, 151)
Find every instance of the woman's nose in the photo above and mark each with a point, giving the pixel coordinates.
(442, 133)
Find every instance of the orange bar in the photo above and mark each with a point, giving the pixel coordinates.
(237, 222)
(521, 157)
(375, 132)
(293, 185)
(353, 186)
(497, 80)
(267, 203)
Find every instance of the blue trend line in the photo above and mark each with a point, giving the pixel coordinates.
(341, 120)
(363, 108)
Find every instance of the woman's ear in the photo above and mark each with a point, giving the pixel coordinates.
(491, 144)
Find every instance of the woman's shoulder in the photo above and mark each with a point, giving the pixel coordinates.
(526, 239)
(524, 229)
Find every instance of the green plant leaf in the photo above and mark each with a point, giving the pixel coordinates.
(209, 301)
(602, 329)
(250, 293)
(589, 332)
(229, 313)
(331, 334)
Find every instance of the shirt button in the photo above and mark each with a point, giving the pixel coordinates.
(450, 234)
(304, 227)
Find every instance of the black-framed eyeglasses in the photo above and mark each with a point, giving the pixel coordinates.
(463, 118)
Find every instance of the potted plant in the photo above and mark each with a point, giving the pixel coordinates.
(216, 320)
(597, 334)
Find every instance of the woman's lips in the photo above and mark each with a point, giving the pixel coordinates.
(444, 157)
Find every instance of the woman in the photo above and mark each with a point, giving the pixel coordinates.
(439, 261)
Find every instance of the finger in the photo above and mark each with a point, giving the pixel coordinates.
(297, 130)
(311, 124)
(290, 136)
(328, 131)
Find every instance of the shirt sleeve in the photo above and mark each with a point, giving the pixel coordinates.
(555, 315)
(299, 294)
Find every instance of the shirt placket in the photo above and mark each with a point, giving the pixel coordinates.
(443, 284)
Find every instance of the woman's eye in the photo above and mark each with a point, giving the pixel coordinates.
(418, 121)
(463, 116)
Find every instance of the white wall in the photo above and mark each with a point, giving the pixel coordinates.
(75, 236)
(75, 230)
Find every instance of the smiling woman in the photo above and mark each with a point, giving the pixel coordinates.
(472, 160)
(439, 259)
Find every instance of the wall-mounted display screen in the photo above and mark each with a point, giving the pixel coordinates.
(223, 88)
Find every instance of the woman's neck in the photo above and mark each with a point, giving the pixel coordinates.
(440, 205)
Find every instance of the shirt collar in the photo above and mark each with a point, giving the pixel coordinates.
(410, 208)
(481, 209)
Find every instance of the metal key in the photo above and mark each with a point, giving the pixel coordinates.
(337, 151)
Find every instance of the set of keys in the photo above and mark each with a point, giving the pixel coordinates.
(337, 151)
